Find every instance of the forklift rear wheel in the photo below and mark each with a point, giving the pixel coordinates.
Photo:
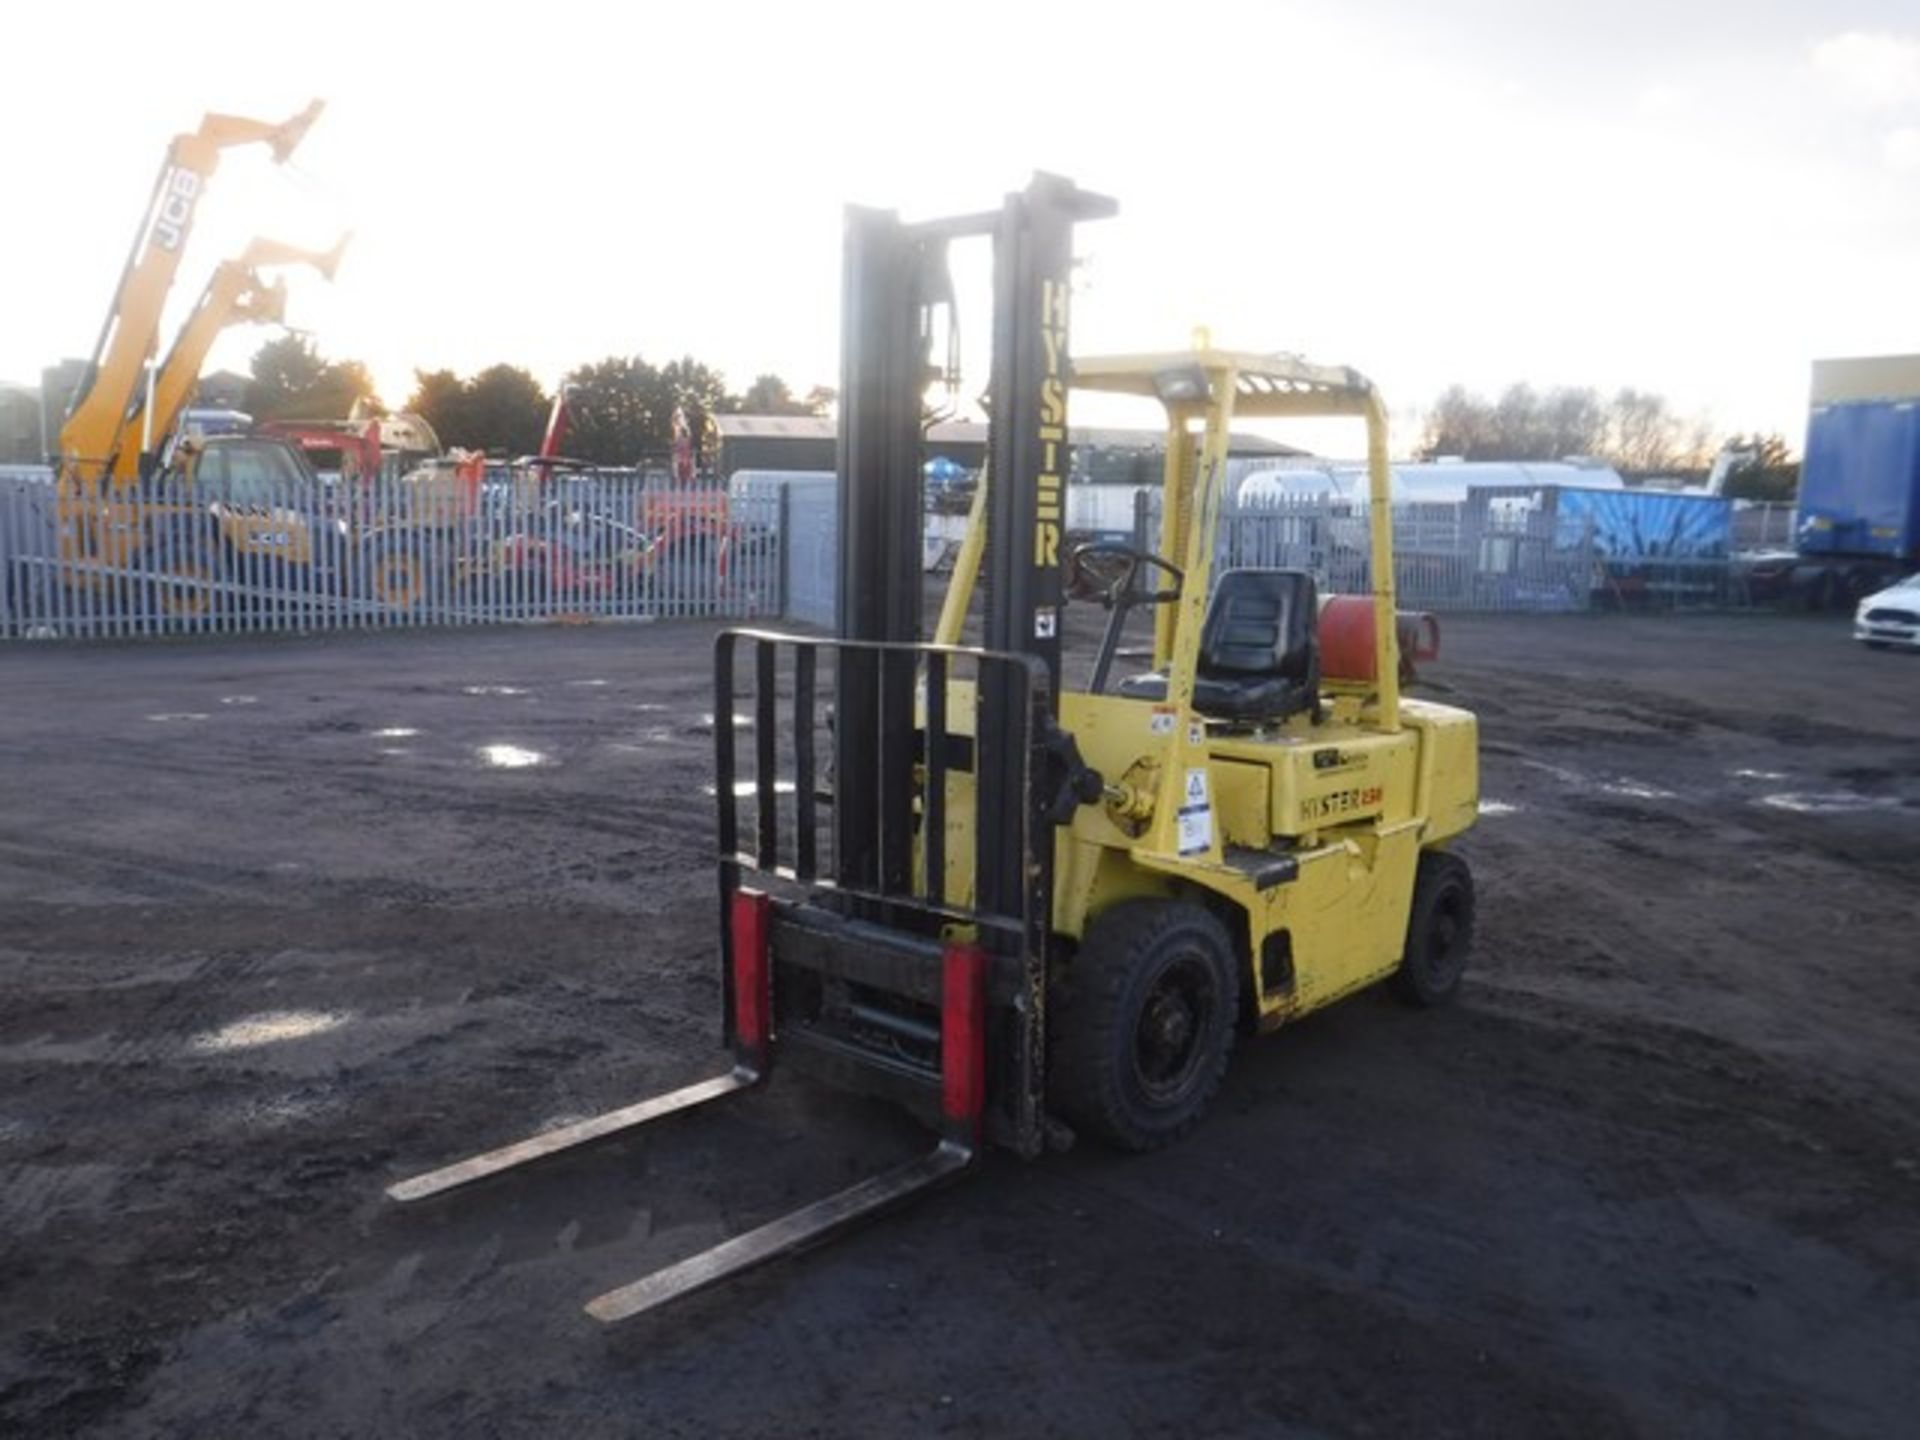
(1439, 931)
(1146, 1023)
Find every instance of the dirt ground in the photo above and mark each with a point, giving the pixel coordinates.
(282, 921)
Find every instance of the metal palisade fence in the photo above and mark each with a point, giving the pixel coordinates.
(250, 546)
(1443, 559)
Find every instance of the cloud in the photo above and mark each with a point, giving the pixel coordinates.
(1901, 150)
(1663, 101)
(1875, 71)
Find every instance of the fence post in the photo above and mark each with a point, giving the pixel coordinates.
(783, 549)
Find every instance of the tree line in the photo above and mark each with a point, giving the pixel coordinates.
(620, 409)
(1635, 431)
(622, 412)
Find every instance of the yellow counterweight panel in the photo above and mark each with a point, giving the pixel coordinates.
(1345, 917)
(1448, 791)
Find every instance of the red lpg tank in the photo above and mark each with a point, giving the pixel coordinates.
(1346, 638)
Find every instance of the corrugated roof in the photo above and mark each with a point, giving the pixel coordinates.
(784, 427)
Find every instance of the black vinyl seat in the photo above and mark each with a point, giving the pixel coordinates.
(1259, 650)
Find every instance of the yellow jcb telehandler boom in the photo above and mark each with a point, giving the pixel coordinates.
(110, 388)
(235, 295)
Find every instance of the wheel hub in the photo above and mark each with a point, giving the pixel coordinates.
(1170, 1022)
(1168, 1036)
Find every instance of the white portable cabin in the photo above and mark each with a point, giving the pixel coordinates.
(1432, 482)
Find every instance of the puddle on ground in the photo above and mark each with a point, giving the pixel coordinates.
(267, 1028)
(1499, 807)
(644, 742)
(747, 789)
(511, 757)
(277, 1110)
(1636, 790)
(493, 690)
(394, 750)
(741, 720)
(164, 717)
(1623, 785)
(588, 684)
(649, 706)
(1758, 774)
(239, 700)
(396, 732)
(1558, 772)
(1832, 802)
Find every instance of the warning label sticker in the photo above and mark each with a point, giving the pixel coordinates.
(1196, 787)
(1196, 830)
(1196, 814)
(1162, 722)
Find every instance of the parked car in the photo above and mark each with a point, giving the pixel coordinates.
(1891, 616)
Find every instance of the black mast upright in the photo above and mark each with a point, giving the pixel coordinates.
(1026, 500)
(895, 276)
(883, 376)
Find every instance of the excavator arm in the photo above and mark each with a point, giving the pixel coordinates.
(107, 391)
(235, 295)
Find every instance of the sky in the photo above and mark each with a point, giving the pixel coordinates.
(1693, 198)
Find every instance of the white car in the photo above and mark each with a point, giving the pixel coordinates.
(1890, 616)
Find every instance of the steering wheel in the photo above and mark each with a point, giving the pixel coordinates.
(1107, 571)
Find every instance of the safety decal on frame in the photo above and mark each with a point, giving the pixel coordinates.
(1196, 815)
(1045, 623)
(1162, 721)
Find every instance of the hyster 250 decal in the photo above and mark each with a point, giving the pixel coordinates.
(1339, 802)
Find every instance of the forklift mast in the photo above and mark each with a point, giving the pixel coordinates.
(879, 967)
(895, 278)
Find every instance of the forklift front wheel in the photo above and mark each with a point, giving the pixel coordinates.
(1145, 1026)
(1439, 931)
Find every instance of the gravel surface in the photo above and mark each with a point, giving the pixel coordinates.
(286, 920)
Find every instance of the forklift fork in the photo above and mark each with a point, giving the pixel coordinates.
(570, 1137)
(963, 1093)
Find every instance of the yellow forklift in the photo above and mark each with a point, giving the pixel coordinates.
(1022, 906)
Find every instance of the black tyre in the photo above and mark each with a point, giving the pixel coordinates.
(1143, 1029)
(403, 576)
(1439, 931)
(1819, 595)
(190, 571)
